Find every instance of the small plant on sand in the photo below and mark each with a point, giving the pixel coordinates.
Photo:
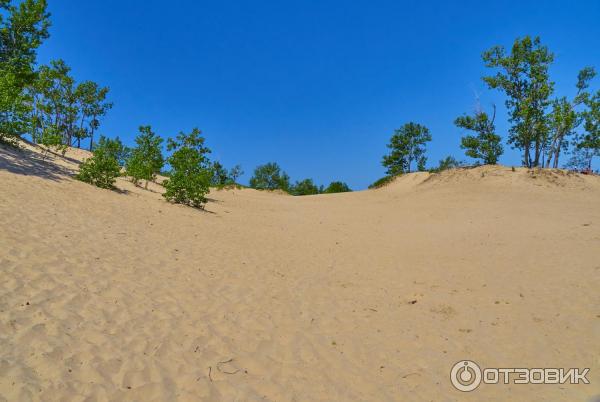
(146, 160)
(449, 162)
(384, 181)
(191, 171)
(103, 167)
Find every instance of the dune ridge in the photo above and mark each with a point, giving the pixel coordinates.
(371, 295)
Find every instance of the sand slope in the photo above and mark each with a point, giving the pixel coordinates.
(370, 295)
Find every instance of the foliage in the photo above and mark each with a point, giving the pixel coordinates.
(145, 160)
(448, 162)
(304, 187)
(103, 167)
(562, 122)
(384, 181)
(191, 172)
(270, 177)
(60, 107)
(235, 173)
(486, 145)
(23, 28)
(523, 76)
(407, 145)
(588, 143)
(337, 187)
(222, 177)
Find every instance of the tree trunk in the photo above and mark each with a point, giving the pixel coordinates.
(526, 160)
(549, 156)
(556, 155)
(536, 161)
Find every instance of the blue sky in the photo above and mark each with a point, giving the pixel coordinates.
(317, 86)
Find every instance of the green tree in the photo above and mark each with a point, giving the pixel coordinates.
(270, 177)
(223, 177)
(486, 145)
(191, 172)
(337, 187)
(523, 76)
(562, 122)
(407, 145)
(54, 111)
(588, 143)
(304, 187)
(220, 176)
(234, 174)
(23, 28)
(103, 167)
(146, 159)
(92, 104)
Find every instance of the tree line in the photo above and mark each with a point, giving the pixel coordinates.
(542, 128)
(47, 103)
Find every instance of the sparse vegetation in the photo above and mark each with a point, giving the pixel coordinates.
(47, 103)
(448, 162)
(384, 181)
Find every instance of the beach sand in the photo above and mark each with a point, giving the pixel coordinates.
(372, 295)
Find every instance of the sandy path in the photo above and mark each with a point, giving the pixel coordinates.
(121, 296)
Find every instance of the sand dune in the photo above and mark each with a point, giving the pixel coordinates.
(371, 295)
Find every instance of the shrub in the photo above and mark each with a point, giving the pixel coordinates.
(103, 167)
(384, 181)
(447, 163)
(337, 187)
(270, 177)
(191, 173)
(146, 159)
(304, 187)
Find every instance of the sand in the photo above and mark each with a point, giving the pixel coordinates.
(372, 295)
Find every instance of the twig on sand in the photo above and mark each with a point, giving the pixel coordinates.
(209, 371)
(226, 372)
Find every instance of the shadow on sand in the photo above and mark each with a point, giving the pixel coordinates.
(28, 163)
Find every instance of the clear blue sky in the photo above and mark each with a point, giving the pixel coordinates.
(317, 86)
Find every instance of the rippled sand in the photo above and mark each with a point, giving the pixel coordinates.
(370, 295)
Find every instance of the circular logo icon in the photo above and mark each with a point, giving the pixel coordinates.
(465, 375)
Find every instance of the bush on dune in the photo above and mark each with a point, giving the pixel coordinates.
(103, 168)
(191, 173)
(337, 187)
(270, 177)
